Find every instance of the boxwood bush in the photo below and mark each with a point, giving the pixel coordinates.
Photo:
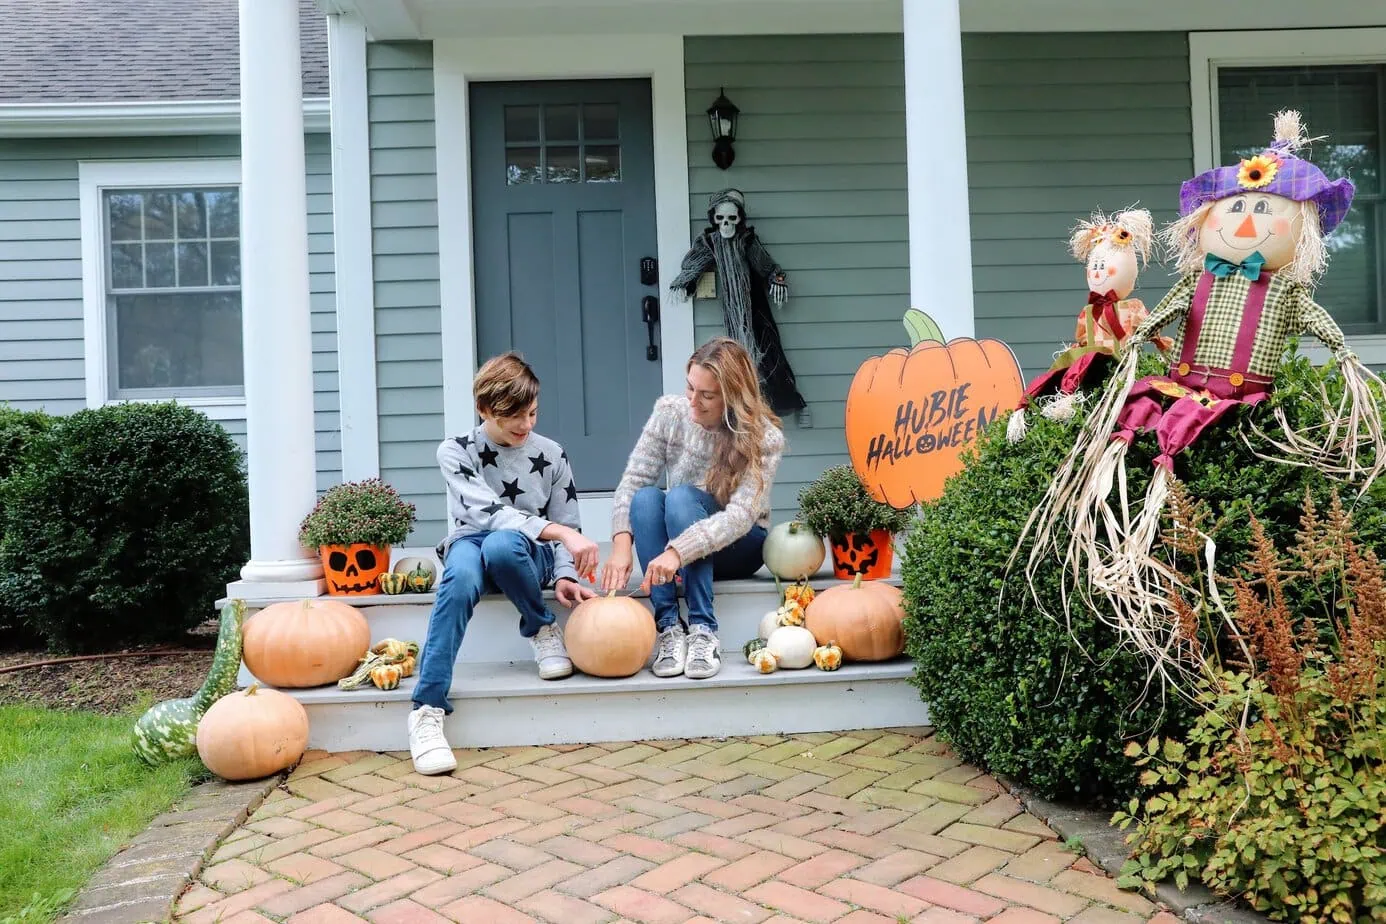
(1005, 682)
(122, 524)
(17, 431)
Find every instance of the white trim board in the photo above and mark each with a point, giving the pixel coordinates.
(353, 257)
(92, 178)
(459, 62)
(1209, 51)
(173, 117)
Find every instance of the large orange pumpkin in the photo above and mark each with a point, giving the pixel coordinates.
(610, 636)
(864, 618)
(911, 412)
(304, 643)
(251, 734)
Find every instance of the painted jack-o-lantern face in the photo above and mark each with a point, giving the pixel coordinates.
(354, 569)
(1112, 268)
(1238, 226)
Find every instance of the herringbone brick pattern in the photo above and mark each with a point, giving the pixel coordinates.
(863, 827)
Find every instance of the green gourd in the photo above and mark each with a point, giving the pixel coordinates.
(168, 730)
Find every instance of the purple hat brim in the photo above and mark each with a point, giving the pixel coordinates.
(1333, 198)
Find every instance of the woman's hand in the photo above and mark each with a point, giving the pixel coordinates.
(662, 569)
(616, 571)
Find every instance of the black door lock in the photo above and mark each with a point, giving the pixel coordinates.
(649, 313)
(649, 271)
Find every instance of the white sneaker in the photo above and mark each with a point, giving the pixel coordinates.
(430, 750)
(551, 653)
(704, 658)
(670, 651)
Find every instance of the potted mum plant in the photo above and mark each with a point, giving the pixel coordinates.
(860, 529)
(353, 528)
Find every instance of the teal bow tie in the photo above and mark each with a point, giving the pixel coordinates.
(1250, 267)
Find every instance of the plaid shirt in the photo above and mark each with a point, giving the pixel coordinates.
(1288, 310)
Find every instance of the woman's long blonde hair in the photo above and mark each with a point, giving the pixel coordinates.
(746, 415)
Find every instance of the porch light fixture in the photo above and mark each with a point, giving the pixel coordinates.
(721, 116)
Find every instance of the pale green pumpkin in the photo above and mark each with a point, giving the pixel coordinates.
(168, 730)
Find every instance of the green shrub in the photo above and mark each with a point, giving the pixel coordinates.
(1006, 683)
(837, 504)
(122, 525)
(1278, 792)
(17, 431)
(369, 511)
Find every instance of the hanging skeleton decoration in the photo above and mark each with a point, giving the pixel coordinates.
(747, 280)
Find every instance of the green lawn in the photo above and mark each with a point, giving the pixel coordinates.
(71, 794)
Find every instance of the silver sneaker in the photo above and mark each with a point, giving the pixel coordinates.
(551, 653)
(670, 651)
(427, 745)
(704, 658)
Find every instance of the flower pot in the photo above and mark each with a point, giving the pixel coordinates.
(867, 554)
(354, 570)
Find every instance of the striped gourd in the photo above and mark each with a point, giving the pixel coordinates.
(168, 730)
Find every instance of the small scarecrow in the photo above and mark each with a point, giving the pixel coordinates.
(1112, 250)
(1249, 243)
(747, 279)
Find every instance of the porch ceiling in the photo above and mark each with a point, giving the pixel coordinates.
(429, 19)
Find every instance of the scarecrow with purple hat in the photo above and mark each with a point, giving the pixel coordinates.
(1249, 243)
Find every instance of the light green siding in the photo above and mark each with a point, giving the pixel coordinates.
(404, 222)
(42, 359)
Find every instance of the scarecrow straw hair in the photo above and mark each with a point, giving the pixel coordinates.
(1087, 234)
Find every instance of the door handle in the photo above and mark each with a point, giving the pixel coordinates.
(649, 313)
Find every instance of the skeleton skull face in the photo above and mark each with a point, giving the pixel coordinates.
(727, 218)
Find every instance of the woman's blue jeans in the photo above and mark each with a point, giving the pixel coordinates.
(507, 561)
(656, 516)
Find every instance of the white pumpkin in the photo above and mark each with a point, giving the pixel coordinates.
(769, 623)
(792, 646)
(792, 552)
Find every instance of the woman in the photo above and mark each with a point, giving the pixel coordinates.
(719, 444)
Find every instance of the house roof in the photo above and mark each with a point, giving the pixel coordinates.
(90, 51)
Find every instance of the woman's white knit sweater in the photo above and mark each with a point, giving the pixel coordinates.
(673, 445)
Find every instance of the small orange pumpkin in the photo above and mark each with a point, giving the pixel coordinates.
(864, 618)
(610, 636)
(304, 643)
(911, 412)
(250, 734)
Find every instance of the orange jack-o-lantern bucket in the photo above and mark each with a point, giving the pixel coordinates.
(354, 570)
(868, 554)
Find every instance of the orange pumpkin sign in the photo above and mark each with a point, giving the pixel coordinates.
(911, 412)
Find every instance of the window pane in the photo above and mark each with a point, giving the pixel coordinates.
(522, 166)
(226, 263)
(563, 164)
(223, 212)
(599, 122)
(522, 124)
(127, 266)
(560, 123)
(1348, 289)
(192, 215)
(192, 264)
(178, 340)
(158, 266)
(603, 163)
(158, 216)
(124, 211)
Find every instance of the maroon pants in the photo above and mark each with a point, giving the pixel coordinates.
(1180, 406)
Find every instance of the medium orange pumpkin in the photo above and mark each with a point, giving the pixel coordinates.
(610, 636)
(252, 733)
(304, 643)
(864, 618)
(910, 413)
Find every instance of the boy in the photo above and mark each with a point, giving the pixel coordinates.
(513, 509)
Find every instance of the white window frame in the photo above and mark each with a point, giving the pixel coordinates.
(1209, 51)
(94, 177)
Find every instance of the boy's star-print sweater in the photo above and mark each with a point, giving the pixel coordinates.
(524, 488)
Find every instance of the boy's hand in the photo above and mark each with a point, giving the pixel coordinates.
(570, 593)
(616, 571)
(583, 550)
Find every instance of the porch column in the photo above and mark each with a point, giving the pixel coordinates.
(274, 304)
(936, 163)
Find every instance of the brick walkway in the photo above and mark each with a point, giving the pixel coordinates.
(869, 827)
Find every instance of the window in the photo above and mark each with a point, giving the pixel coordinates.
(1337, 79)
(162, 270)
(568, 143)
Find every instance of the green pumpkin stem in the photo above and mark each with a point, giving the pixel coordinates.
(856, 582)
(921, 327)
(250, 690)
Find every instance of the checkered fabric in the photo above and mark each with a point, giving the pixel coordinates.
(1295, 178)
(1288, 310)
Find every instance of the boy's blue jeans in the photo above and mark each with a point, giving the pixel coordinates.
(507, 561)
(655, 517)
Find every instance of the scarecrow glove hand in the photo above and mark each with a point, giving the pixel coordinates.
(779, 292)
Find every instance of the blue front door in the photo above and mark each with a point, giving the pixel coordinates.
(563, 214)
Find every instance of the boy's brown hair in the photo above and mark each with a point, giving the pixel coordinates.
(505, 386)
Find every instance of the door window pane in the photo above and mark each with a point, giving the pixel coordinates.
(560, 124)
(603, 163)
(1344, 103)
(562, 143)
(522, 166)
(521, 124)
(600, 123)
(563, 164)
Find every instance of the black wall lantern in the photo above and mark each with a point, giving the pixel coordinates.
(721, 116)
